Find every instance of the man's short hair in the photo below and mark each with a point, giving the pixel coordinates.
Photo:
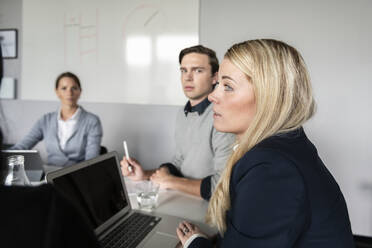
(213, 61)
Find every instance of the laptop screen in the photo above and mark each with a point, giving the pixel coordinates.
(96, 190)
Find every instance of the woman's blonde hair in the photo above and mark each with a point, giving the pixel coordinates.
(284, 101)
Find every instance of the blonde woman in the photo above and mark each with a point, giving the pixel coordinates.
(275, 191)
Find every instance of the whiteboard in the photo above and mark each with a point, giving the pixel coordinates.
(123, 51)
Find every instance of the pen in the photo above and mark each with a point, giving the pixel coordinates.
(130, 169)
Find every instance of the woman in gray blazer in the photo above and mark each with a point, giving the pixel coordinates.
(71, 134)
(49, 220)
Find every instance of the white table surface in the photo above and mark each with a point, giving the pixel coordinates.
(173, 202)
(170, 202)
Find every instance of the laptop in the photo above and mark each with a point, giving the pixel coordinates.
(97, 189)
(33, 163)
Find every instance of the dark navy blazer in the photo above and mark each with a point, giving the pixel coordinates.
(282, 195)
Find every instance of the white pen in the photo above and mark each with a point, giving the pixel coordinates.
(130, 169)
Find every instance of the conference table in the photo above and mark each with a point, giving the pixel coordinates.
(170, 202)
(173, 202)
(176, 203)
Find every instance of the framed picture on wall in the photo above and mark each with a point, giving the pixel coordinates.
(8, 42)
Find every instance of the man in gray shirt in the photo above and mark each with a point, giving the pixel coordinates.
(201, 151)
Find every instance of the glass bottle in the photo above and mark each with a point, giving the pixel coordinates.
(16, 171)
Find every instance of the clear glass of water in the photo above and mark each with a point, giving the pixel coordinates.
(147, 195)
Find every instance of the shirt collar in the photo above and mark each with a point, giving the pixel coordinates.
(200, 107)
(73, 117)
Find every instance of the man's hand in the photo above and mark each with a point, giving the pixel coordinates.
(162, 177)
(136, 173)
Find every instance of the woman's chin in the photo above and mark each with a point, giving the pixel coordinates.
(220, 128)
(70, 104)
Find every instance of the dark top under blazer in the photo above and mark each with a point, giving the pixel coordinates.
(282, 195)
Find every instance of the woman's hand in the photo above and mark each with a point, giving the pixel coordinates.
(185, 230)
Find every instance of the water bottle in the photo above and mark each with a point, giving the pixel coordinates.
(16, 171)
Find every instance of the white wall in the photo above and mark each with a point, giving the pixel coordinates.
(334, 37)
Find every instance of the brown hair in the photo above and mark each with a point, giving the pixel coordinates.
(213, 61)
(69, 75)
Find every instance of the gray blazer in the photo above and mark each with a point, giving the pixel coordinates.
(83, 144)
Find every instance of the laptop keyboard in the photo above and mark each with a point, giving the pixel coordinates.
(131, 232)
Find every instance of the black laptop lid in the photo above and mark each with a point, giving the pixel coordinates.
(95, 187)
